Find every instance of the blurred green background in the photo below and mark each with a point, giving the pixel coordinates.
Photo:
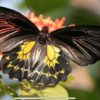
(86, 12)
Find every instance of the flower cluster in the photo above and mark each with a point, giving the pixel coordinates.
(40, 21)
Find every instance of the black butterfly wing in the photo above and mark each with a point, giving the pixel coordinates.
(16, 34)
(80, 43)
(16, 62)
(42, 64)
(14, 27)
(16, 19)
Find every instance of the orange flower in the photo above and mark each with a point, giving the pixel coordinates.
(40, 21)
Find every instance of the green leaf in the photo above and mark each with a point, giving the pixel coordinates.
(94, 70)
(27, 89)
(8, 90)
(69, 80)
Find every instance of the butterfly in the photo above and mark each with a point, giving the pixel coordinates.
(33, 55)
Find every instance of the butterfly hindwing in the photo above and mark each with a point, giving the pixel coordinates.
(42, 64)
(80, 43)
(51, 66)
(15, 63)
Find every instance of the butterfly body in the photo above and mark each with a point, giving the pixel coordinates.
(42, 57)
(43, 35)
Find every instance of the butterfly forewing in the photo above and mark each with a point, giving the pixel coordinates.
(13, 24)
(15, 19)
(80, 43)
(14, 29)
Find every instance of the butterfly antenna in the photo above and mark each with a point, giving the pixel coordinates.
(72, 18)
(40, 16)
(29, 8)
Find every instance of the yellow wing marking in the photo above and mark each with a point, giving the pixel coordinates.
(46, 58)
(51, 64)
(24, 57)
(52, 55)
(56, 49)
(28, 47)
(20, 53)
(50, 52)
(15, 67)
(51, 59)
(9, 65)
(62, 71)
(48, 63)
(24, 53)
(55, 75)
(57, 55)
(55, 62)
(48, 75)
(7, 58)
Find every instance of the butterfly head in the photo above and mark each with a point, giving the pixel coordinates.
(45, 29)
(43, 35)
